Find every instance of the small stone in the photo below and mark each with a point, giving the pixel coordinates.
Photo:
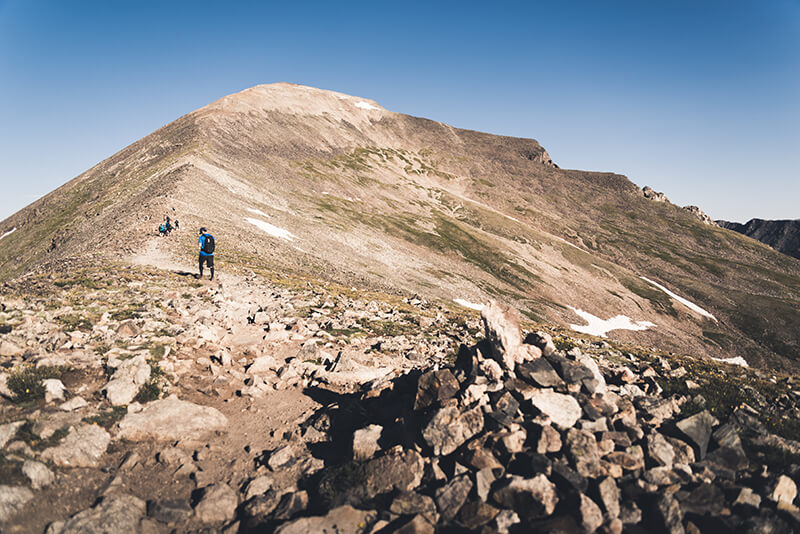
(483, 482)
(583, 452)
(282, 457)
(450, 498)
(365, 442)
(8, 431)
(563, 410)
(217, 504)
(53, 390)
(38, 473)
(169, 510)
(12, 500)
(748, 498)
(83, 447)
(417, 525)
(549, 440)
(475, 514)
(784, 490)
(591, 516)
(75, 403)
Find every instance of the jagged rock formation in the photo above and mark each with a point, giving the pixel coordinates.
(783, 236)
(700, 214)
(650, 194)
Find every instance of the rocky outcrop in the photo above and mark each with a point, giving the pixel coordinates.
(653, 195)
(700, 214)
(783, 235)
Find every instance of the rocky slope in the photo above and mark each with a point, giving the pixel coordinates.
(313, 182)
(139, 399)
(783, 236)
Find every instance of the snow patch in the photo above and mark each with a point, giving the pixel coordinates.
(257, 212)
(272, 230)
(691, 305)
(468, 304)
(733, 361)
(600, 327)
(366, 105)
(8, 233)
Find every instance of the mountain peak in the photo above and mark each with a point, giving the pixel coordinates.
(298, 99)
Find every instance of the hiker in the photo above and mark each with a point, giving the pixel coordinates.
(207, 245)
(162, 230)
(167, 224)
(177, 224)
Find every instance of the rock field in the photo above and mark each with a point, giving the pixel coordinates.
(147, 401)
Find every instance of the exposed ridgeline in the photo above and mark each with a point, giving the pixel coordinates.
(306, 181)
(783, 236)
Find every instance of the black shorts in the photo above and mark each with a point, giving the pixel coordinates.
(208, 260)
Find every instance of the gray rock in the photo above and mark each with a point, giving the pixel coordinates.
(12, 500)
(698, 429)
(83, 447)
(127, 379)
(291, 505)
(53, 390)
(8, 431)
(341, 520)
(540, 373)
(411, 503)
(171, 419)
(398, 469)
(591, 516)
(475, 514)
(727, 436)
(659, 450)
(217, 504)
(784, 490)
(169, 510)
(283, 457)
(584, 453)
(533, 497)
(609, 497)
(748, 498)
(483, 482)
(450, 428)
(563, 410)
(450, 498)
(549, 440)
(118, 514)
(667, 515)
(258, 486)
(38, 473)
(435, 386)
(542, 340)
(75, 403)
(417, 525)
(365, 442)
(501, 324)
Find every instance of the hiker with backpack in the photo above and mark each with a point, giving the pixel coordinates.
(207, 246)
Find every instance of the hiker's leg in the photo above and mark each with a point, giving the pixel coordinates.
(211, 266)
(200, 261)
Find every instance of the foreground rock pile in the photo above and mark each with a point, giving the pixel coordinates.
(521, 437)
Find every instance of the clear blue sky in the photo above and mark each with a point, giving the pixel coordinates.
(699, 99)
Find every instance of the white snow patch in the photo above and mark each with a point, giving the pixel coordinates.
(600, 327)
(257, 212)
(366, 105)
(691, 305)
(271, 229)
(8, 233)
(733, 361)
(468, 304)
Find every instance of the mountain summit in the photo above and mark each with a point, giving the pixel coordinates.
(306, 182)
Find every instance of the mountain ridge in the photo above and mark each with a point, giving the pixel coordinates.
(381, 199)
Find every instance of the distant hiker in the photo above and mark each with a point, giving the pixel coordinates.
(207, 245)
(176, 224)
(162, 229)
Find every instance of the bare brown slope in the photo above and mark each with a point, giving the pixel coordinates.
(380, 199)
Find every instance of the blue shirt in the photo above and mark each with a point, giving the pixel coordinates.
(202, 242)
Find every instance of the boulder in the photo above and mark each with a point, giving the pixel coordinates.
(398, 469)
(8, 431)
(450, 428)
(12, 500)
(501, 324)
(365, 442)
(53, 390)
(83, 446)
(475, 514)
(540, 373)
(697, 428)
(411, 503)
(659, 450)
(533, 497)
(542, 340)
(119, 514)
(435, 386)
(783, 490)
(217, 504)
(171, 419)
(127, 380)
(169, 510)
(451, 497)
(563, 410)
(590, 514)
(38, 473)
